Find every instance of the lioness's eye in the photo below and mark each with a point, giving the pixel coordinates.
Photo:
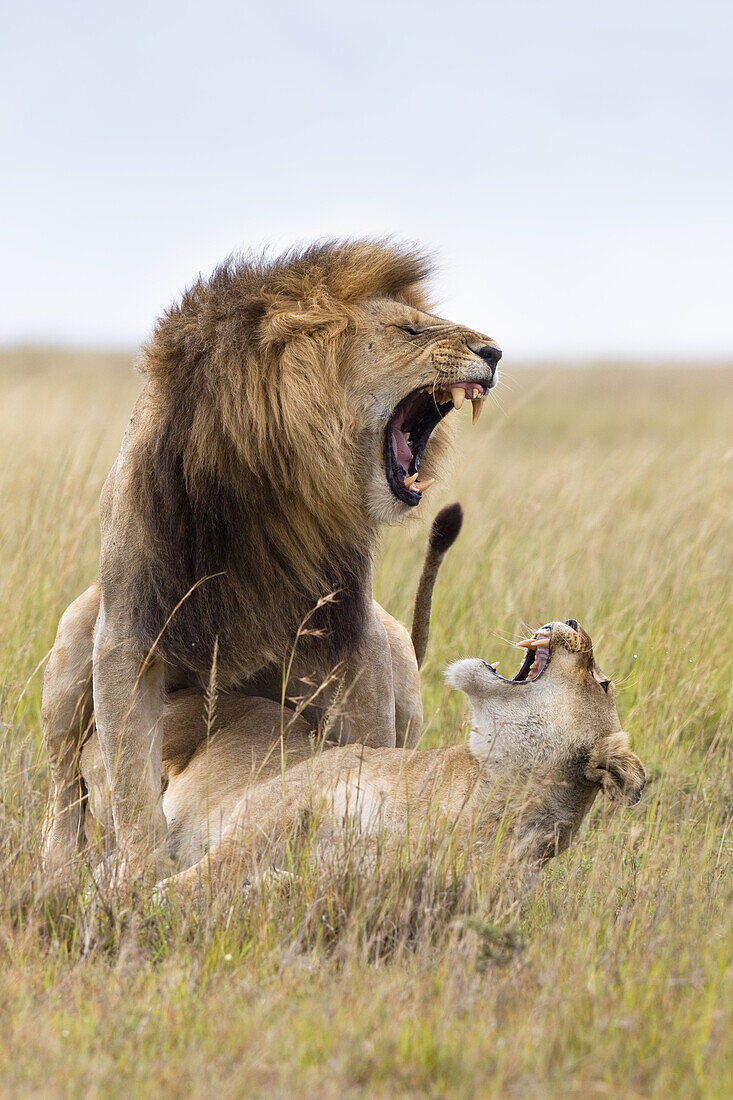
(410, 331)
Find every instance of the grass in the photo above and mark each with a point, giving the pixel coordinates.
(603, 494)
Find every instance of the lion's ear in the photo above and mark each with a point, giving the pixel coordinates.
(618, 771)
(285, 321)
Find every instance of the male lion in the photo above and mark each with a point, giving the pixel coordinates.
(290, 409)
(541, 747)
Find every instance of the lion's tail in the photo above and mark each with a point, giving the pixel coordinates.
(443, 533)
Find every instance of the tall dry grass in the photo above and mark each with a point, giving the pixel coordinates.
(603, 494)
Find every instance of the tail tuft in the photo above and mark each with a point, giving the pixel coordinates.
(446, 527)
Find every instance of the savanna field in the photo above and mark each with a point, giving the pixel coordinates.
(603, 493)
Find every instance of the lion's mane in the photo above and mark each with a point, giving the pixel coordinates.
(244, 457)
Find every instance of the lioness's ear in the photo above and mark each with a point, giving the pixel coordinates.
(618, 771)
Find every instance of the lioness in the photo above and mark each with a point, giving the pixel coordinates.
(291, 407)
(541, 747)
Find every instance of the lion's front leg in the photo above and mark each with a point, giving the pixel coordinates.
(369, 698)
(128, 706)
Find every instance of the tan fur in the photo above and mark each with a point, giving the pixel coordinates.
(538, 754)
(188, 738)
(444, 532)
(68, 721)
(68, 717)
(247, 495)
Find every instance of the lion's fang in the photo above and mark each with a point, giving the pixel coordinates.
(459, 396)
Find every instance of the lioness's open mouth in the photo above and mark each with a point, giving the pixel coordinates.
(410, 426)
(536, 659)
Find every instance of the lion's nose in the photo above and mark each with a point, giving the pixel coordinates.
(490, 353)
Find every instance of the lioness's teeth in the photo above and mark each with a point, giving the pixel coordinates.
(410, 481)
(421, 486)
(478, 406)
(459, 396)
(534, 643)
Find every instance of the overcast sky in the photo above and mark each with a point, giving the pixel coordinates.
(570, 164)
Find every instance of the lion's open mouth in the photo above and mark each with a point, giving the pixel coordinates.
(410, 427)
(536, 659)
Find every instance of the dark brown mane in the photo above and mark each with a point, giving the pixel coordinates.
(238, 471)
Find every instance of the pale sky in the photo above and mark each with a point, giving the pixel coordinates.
(570, 164)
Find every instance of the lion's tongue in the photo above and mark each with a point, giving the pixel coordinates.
(401, 448)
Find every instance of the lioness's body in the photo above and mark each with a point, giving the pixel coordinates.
(263, 455)
(351, 789)
(540, 751)
(246, 786)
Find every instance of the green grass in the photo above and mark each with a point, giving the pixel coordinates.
(603, 494)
